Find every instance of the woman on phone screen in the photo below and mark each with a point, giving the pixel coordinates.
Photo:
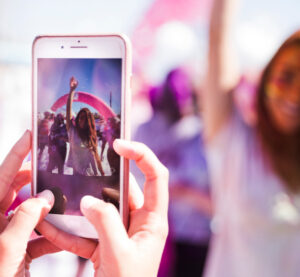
(83, 140)
(255, 170)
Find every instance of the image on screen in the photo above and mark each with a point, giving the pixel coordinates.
(79, 115)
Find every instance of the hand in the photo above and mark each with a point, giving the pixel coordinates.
(118, 253)
(73, 83)
(15, 230)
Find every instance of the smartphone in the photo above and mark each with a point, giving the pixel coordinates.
(81, 99)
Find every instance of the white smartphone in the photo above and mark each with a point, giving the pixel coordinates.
(81, 99)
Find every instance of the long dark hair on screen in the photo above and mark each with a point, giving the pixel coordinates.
(88, 134)
(283, 150)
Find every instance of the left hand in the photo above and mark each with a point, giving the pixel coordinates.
(15, 231)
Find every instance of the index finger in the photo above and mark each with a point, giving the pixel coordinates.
(156, 174)
(13, 162)
(80, 246)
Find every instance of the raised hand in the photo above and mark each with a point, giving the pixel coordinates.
(73, 83)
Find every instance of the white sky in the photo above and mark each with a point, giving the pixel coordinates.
(260, 28)
(22, 20)
(261, 25)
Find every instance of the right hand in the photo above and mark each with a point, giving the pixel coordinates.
(118, 253)
(73, 83)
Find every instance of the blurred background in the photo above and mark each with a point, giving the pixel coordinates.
(165, 34)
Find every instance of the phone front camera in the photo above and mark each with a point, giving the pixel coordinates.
(78, 41)
(62, 47)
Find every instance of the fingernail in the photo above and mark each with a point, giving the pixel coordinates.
(87, 201)
(47, 195)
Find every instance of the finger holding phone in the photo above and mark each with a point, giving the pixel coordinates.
(15, 230)
(118, 253)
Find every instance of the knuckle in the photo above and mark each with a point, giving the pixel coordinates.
(74, 247)
(141, 149)
(27, 207)
(6, 247)
(164, 172)
(17, 152)
(54, 237)
(2, 245)
(5, 179)
(164, 230)
(159, 226)
(30, 208)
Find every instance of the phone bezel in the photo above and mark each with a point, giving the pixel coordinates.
(90, 46)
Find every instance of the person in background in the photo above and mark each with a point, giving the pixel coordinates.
(43, 132)
(110, 133)
(83, 139)
(255, 170)
(174, 134)
(57, 147)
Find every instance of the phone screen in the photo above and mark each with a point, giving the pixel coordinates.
(74, 155)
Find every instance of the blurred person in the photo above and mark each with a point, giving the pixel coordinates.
(174, 135)
(110, 133)
(57, 147)
(43, 132)
(100, 122)
(255, 169)
(84, 157)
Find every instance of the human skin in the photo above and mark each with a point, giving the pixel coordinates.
(15, 251)
(73, 86)
(119, 253)
(283, 90)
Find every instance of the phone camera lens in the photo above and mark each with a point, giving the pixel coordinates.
(78, 41)
(62, 47)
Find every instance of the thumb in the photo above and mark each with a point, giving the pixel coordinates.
(26, 217)
(106, 220)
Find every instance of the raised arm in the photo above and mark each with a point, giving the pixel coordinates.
(73, 86)
(222, 73)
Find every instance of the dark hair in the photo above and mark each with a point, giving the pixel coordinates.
(58, 119)
(175, 92)
(88, 134)
(282, 149)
